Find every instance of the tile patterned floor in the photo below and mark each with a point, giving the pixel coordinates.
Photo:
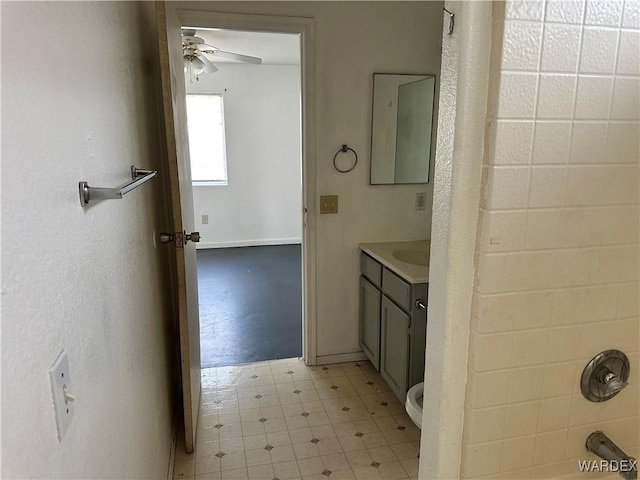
(281, 420)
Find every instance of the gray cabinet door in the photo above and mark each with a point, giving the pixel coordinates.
(394, 350)
(370, 321)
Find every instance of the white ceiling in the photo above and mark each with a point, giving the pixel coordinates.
(273, 48)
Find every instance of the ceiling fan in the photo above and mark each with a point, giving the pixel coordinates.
(194, 51)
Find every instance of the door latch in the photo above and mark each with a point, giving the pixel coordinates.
(180, 238)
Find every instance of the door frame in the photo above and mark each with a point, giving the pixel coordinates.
(305, 27)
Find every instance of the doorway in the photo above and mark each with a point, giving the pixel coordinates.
(243, 91)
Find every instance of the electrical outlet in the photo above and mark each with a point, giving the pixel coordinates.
(205, 219)
(421, 200)
(61, 390)
(328, 204)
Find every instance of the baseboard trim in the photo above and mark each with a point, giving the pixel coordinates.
(340, 358)
(248, 243)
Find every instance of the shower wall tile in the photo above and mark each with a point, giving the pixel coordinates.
(598, 54)
(564, 11)
(551, 142)
(561, 48)
(558, 255)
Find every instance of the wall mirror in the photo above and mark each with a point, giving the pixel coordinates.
(401, 128)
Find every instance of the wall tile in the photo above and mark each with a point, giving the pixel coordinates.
(568, 306)
(594, 97)
(589, 142)
(623, 142)
(521, 419)
(629, 54)
(625, 104)
(543, 229)
(596, 337)
(522, 45)
(525, 384)
(598, 53)
(556, 96)
(487, 424)
(496, 313)
(548, 187)
(534, 310)
(487, 389)
(564, 344)
(584, 185)
(554, 414)
(607, 265)
(517, 453)
(524, 10)
(565, 11)
(559, 379)
(551, 142)
(517, 95)
(504, 231)
(559, 249)
(491, 352)
(538, 267)
(611, 225)
(550, 447)
(482, 459)
(629, 300)
(601, 303)
(631, 14)
(513, 143)
(573, 267)
(603, 12)
(529, 347)
(507, 187)
(583, 411)
(561, 48)
(631, 264)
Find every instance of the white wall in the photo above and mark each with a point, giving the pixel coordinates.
(354, 40)
(81, 105)
(262, 204)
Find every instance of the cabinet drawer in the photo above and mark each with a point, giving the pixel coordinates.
(397, 289)
(371, 269)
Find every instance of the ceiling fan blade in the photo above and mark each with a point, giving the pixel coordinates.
(208, 66)
(238, 56)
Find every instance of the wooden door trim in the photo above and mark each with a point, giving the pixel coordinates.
(305, 27)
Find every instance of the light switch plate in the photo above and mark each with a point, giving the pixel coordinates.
(61, 384)
(328, 204)
(421, 200)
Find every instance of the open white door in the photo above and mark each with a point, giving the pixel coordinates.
(179, 171)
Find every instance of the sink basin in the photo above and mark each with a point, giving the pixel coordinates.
(412, 255)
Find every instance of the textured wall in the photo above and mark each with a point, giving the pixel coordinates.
(558, 264)
(78, 103)
(354, 40)
(262, 204)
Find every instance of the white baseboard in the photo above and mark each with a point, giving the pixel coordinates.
(340, 358)
(249, 243)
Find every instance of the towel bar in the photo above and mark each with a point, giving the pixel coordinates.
(88, 194)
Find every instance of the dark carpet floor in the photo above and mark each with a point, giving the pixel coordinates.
(250, 304)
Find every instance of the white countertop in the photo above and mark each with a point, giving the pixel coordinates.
(383, 252)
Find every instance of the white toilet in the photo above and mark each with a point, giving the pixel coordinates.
(413, 404)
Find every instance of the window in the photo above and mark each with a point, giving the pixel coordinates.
(205, 124)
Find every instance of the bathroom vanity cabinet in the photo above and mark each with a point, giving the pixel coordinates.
(392, 327)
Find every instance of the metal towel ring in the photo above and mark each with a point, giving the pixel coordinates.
(344, 149)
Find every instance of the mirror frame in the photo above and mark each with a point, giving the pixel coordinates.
(431, 133)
